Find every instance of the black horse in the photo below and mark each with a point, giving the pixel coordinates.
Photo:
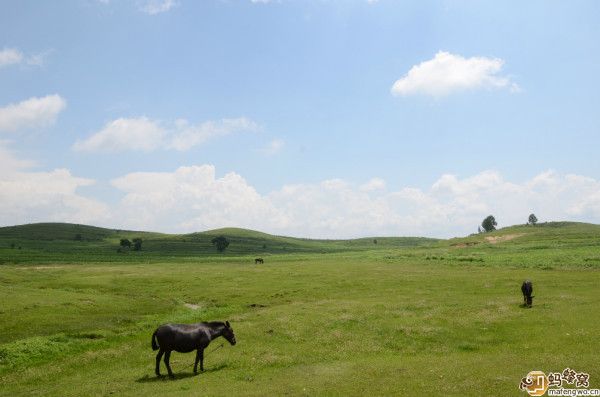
(184, 338)
(527, 290)
(259, 260)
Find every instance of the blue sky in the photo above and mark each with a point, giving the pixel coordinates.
(284, 115)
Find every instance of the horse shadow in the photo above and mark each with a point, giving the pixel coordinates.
(178, 376)
(164, 378)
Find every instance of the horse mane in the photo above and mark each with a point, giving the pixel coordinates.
(214, 324)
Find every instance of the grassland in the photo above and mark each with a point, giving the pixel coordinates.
(403, 316)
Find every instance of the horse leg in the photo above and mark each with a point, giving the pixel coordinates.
(196, 363)
(167, 357)
(201, 353)
(158, 357)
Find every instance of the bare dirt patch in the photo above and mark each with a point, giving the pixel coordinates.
(40, 267)
(191, 306)
(465, 245)
(499, 239)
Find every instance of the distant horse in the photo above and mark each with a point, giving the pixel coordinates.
(258, 260)
(527, 290)
(184, 338)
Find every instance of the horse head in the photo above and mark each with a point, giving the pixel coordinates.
(228, 333)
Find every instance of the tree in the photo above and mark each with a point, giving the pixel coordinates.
(125, 243)
(532, 219)
(78, 237)
(489, 224)
(221, 242)
(137, 244)
(374, 241)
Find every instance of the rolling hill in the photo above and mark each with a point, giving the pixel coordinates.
(73, 242)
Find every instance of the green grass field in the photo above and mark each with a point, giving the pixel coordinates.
(400, 317)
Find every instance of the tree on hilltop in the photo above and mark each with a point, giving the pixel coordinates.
(489, 224)
(532, 219)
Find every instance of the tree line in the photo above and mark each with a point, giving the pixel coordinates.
(489, 223)
(220, 242)
(125, 244)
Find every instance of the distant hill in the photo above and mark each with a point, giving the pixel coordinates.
(61, 231)
(554, 233)
(73, 242)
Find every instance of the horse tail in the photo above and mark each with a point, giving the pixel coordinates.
(154, 344)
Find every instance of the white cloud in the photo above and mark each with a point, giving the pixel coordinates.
(273, 147)
(13, 56)
(373, 184)
(10, 56)
(38, 59)
(31, 113)
(143, 134)
(193, 198)
(447, 73)
(9, 163)
(124, 134)
(27, 197)
(187, 136)
(153, 7)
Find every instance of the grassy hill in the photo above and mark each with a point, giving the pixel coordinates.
(569, 233)
(66, 242)
(546, 246)
(71, 243)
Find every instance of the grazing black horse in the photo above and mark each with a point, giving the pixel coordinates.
(258, 260)
(184, 338)
(527, 289)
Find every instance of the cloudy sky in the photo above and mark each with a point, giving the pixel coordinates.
(312, 118)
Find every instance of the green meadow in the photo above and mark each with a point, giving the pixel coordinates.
(399, 316)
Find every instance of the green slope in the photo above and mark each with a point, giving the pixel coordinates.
(70, 243)
(545, 246)
(549, 234)
(63, 242)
